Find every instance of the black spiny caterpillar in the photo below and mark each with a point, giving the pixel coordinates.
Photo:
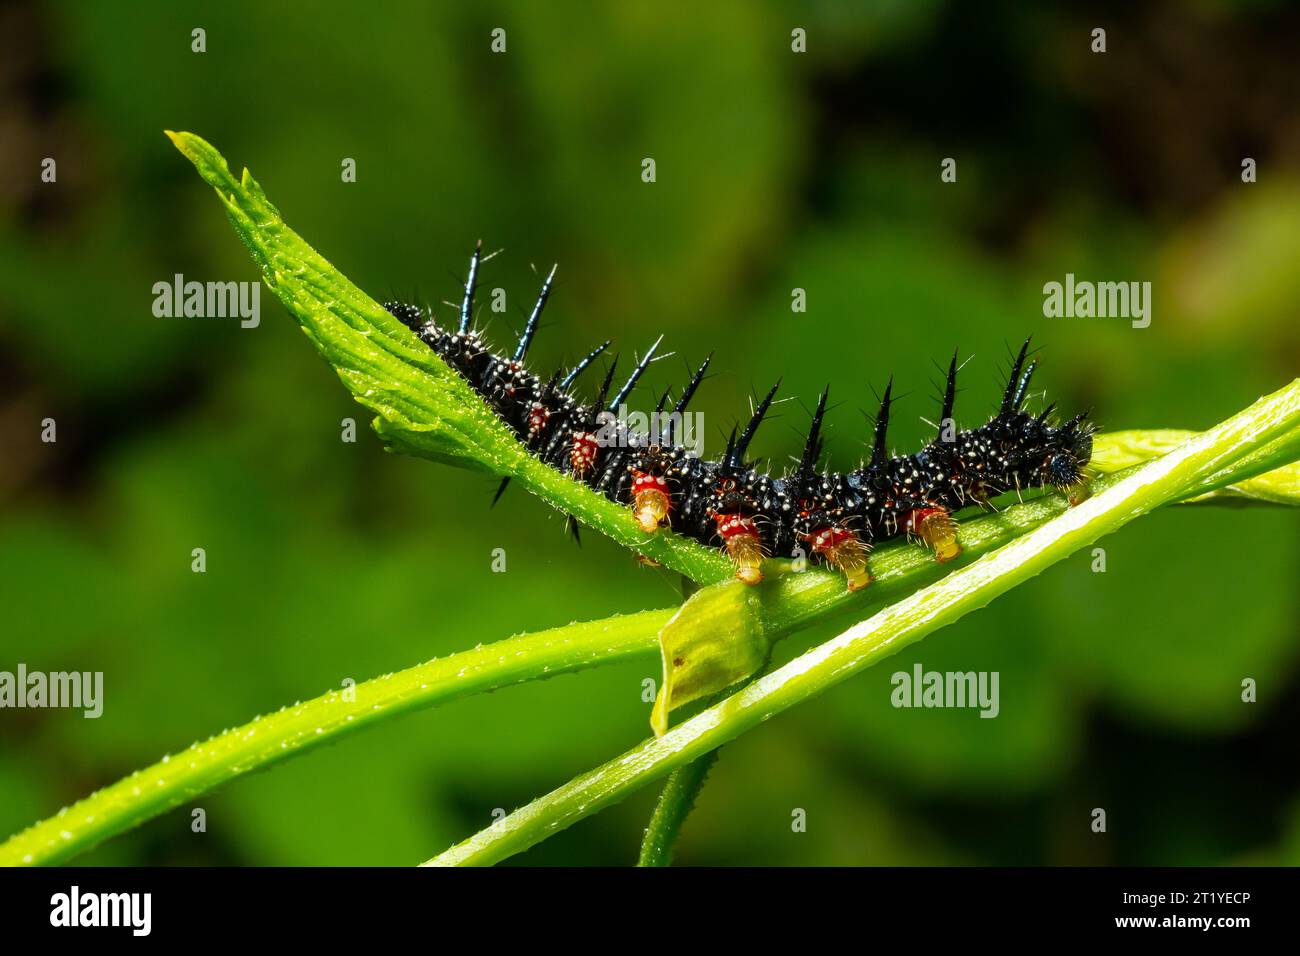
(835, 516)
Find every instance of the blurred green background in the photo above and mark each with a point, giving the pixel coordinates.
(775, 170)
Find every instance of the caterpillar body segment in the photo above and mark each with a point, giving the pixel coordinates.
(729, 502)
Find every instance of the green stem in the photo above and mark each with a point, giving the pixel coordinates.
(1156, 483)
(789, 601)
(1256, 478)
(180, 777)
(675, 803)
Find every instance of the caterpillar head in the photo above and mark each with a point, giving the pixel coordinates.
(1066, 467)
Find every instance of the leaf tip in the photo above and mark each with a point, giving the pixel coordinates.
(210, 163)
(181, 141)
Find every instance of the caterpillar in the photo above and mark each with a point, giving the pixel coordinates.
(834, 517)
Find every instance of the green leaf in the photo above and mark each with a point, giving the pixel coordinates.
(716, 639)
(422, 406)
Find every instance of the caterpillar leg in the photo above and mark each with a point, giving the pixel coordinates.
(650, 500)
(1078, 492)
(844, 551)
(744, 545)
(936, 527)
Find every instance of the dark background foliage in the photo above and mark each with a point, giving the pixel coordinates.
(775, 170)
